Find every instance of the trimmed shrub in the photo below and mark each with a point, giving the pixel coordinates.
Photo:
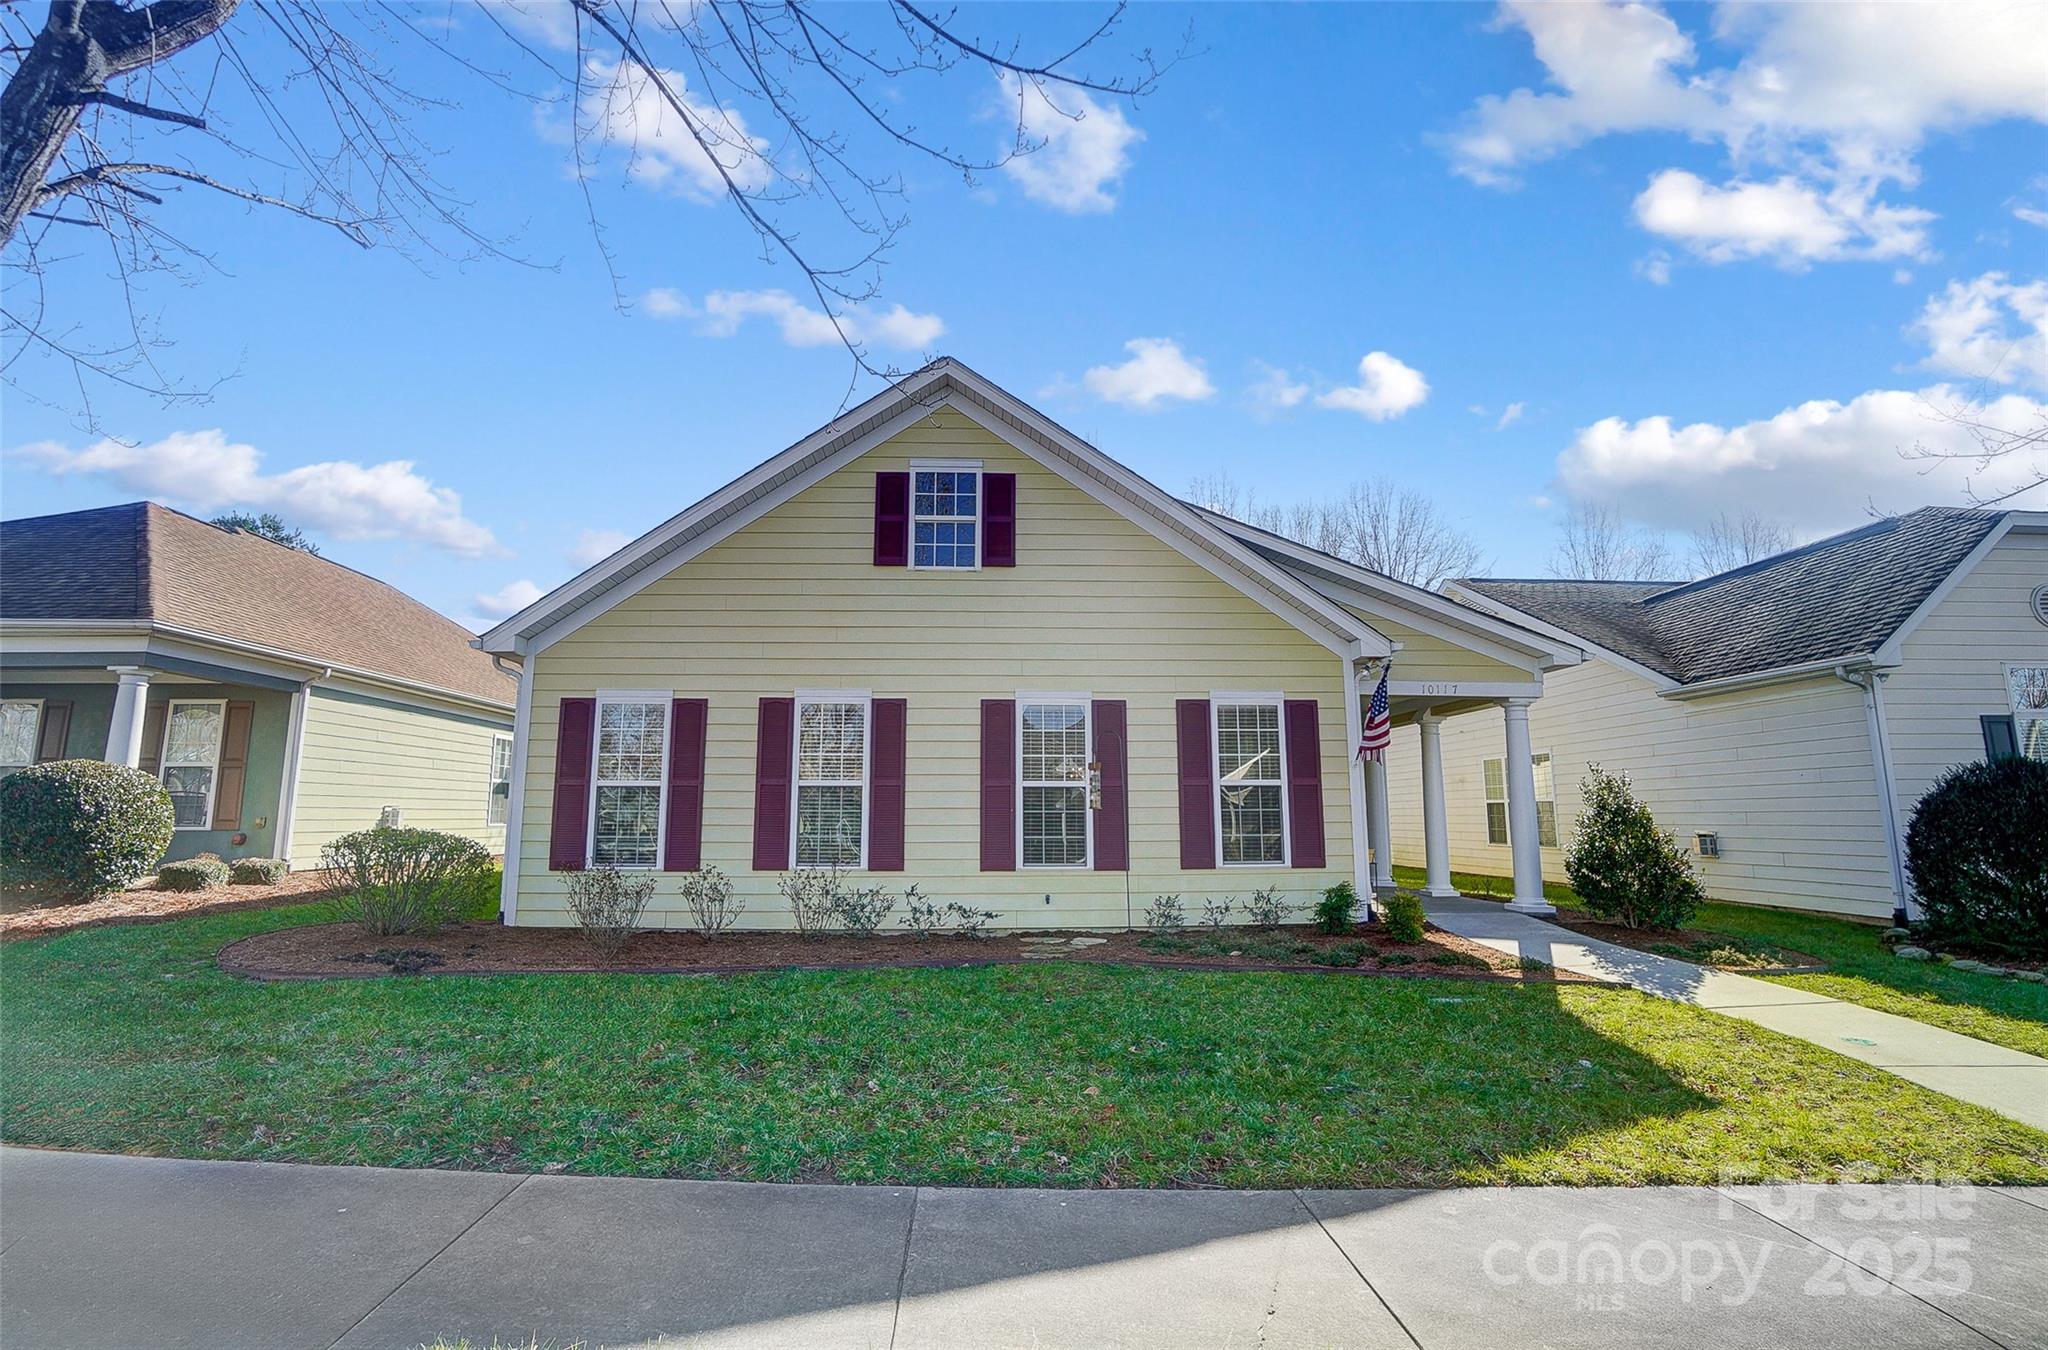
(258, 871)
(1335, 911)
(813, 896)
(607, 905)
(861, 911)
(1401, 914)
(1623, 867)
(81, 828)
(1165, 914)
(708, 893)
(202, 873)
(407, 880)
(1978, 852)
(1266, 909)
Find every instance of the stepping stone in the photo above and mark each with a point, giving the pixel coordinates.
(1088, 942)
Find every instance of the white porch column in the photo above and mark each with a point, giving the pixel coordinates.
(1361, 867)
(1436, 835)
(1382, 825)
(1522, 826)
(124, 732)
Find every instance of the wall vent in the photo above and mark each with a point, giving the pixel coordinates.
(2041, 603)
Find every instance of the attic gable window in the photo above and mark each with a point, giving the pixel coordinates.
(945, 516)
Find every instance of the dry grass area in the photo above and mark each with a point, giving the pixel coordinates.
(26, 914)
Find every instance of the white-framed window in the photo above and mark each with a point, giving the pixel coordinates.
(190, 765)
(2027, 688)
(831, 779)
(21, 721)
(500, 799)
(1251, 781)
(1052, 780)
(945, 516)
(631, 776)
(1496, 775)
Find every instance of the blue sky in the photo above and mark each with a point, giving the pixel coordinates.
(1790, 233)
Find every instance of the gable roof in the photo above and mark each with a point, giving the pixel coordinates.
(946, 382)
(1836, 599)
(142, 562)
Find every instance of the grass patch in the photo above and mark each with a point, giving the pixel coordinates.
(1063, 1074)
(1861, 969)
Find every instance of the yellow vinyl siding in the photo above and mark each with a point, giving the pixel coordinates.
(1954, 665)
(359, 756)
(1782, 773)
(1095, 605)
(1426, 656)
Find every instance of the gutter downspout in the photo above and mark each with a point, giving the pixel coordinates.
(288, 785)
(1871, 682)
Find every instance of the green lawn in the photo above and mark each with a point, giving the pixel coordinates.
(129, 1038)
(1861, 969)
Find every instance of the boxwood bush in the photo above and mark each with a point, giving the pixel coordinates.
(407, 880)
(258, 871)
(1978, 852)
(80, 828)
(202, 873)
(1624, 868)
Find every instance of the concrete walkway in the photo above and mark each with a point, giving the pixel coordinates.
(99, 1251)
(2010, 1082)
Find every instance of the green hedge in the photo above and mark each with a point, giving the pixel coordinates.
(81, 827)
(1978, 851)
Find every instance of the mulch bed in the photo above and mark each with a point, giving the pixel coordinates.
(27, 916)
(1648, 939)
(337, 950)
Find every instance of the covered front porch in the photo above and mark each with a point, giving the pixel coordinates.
(218, 734)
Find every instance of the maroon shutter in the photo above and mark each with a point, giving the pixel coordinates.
(682, 848)
(1112, 818)
(999, 520)
(56, 730)
(575, 735)
(153, 715)
(1304, 781)
(1197, 784)
(234, 765)
(886, 724)
(998, 785)
(773, 747)
(892, 519)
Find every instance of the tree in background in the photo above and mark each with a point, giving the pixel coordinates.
(1374, 524)
(1730, 541)
(271, 526)
(1594, 543)
(791, 112)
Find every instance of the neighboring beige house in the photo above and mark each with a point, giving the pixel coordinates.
(943, 641)
(283, 699)
(1782, 718)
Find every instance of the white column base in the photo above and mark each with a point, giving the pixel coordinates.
(1445, 893)
(1541, 909)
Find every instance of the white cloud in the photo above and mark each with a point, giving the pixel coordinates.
(508, 599)
(1835, 99)
(1079, 149)
(1821, 465)
(625, 107)
(723, 313)
(552, 23)
(340, 498)
(1387, 387)
(1988, 329)
(1157, 372)
(2031, 215)
(1786, 220)
(1509, 416)
(594, 546)
(1655, 269)
(1275, 390)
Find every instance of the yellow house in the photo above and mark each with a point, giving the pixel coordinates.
(944, 641)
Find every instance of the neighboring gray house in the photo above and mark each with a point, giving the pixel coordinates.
(282, 698)
(1784, 717)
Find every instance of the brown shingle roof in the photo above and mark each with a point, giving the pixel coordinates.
(144, 561)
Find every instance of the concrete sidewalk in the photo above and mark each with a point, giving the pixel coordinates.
(2010, 1082)
(99, 1251)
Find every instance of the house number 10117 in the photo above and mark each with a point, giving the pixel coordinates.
(1439, 688)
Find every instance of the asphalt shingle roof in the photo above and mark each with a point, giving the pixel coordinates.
(144, 561)
(1833, 599)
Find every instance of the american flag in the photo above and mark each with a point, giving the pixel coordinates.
(1379, 723)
